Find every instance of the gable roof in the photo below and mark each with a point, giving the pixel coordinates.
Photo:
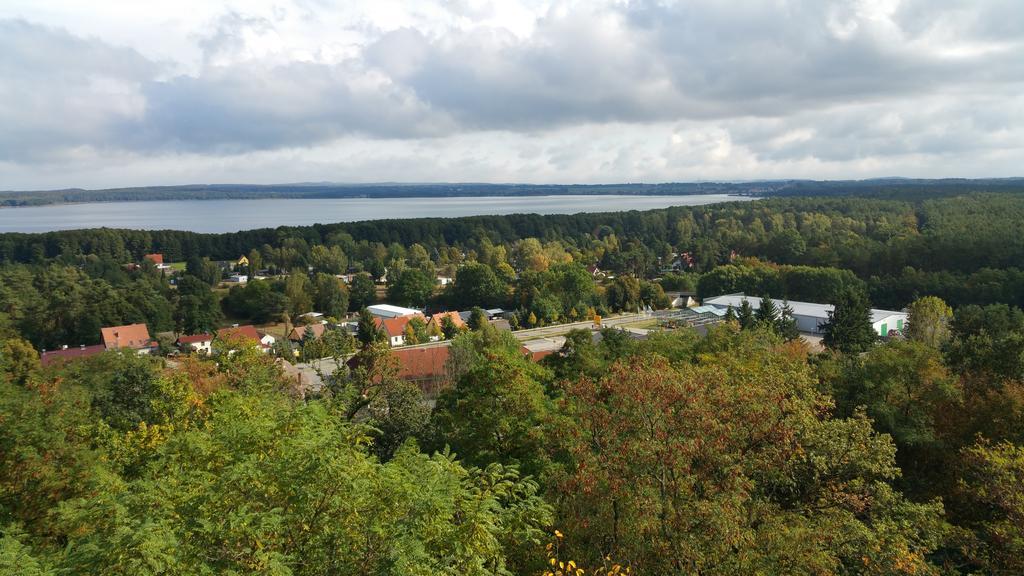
(454, 315)
(299, 332)
(247, 331)
(47, 358)
(131, 336)
(195, 338)
(395, 326)
(155, 258)
(810, 309)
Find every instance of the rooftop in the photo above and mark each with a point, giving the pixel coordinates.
(52, 356)
(810, 309)
(389, 310)
(133, 336)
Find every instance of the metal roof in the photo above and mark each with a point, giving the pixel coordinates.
(809, 309)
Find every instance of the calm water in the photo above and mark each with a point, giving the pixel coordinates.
(234, 215)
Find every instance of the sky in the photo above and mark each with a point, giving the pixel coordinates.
(115, 93)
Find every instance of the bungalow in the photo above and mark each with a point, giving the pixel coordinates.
(196, 343)
(128, 337)
(394, 328)
(65, 353)
(238, 278)
(595, 272)
(247, 332)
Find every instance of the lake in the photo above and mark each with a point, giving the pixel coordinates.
(234, 215)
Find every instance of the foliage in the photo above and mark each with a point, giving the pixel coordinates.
(848, 328)
(929, 321)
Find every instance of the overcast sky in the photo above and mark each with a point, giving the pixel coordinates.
(128, 92)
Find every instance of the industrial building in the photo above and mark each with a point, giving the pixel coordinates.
(810, 316)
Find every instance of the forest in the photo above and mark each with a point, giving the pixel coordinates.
(741, 451)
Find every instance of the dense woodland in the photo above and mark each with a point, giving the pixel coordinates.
(738, 452)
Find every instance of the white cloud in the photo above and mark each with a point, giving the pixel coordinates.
(127, 93)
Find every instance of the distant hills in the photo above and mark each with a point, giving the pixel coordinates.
(882, 187)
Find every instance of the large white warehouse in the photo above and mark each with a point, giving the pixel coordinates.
(810, 316)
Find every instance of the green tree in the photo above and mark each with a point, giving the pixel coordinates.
(929, 319)
(493, 413)
(786, 325)
(367, 331)
(477, 318)
(18, 361)
(362, 292)
(477, 285)
(848, 328)
(411, 287)
(746, 315)
(197, 310)
(992, 486)
(767, 315)
(330, 296)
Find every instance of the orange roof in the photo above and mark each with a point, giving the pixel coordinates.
(132, 336)
(195, 338)
(395, 326)
(155, 258)
(247, 331)
(299, 332)
(421, 363)
(439, 318)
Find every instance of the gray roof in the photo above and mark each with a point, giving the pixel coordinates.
(809, 309)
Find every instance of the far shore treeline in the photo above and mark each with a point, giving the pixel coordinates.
(967, 249)
(879, 187)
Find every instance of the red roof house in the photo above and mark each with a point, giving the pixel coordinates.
(66, 354)
(131, 337)
(157, 259)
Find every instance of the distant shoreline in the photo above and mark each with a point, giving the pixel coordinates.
(885, 187)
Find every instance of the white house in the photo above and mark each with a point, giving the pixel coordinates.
(266, 340)
(196, 343)
(444, 280)
(810, 316)
(389, 311)
(238, 278)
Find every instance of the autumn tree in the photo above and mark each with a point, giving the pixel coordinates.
(928, 321)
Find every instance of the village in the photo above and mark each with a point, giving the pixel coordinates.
(420, 338)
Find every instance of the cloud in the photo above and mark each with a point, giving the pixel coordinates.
(566, 90)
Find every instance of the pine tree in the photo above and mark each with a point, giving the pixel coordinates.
(767, 314)
(786, 326)
(848, 328)
(746, 315)
(730, 315)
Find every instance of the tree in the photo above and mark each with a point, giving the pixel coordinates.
(362, 292)
(746, 315)
(992, 485)
(493, 413)
(330, 260)
(477, 285)
(928, 321)
(786, 325)
(411, 287)
(367, 331)
(298, 291)
(197, 310)
(848, 328)
(477, 318)
(767, 314)
(18, 360)
(330, 295)
(730, 315)
(448, 328)
(699, 468)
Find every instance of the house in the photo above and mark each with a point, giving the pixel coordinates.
(394, 328)
(595, 272)
(238, 278)
(501, 324)
(444, 280)
(267, 341)
(242, 261)
(157, 259)
(438, 320)
(298, 334)
(537, 350)
(810, 316)
(128, 337)
(494, 313)
(65, 354)
(196, 343)
(247, 332)
(389, 311)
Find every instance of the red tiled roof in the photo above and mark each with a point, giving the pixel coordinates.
(421, 363)
(396, 326)
(52, 356)
(247, 331)
(155, 258)
(132, 336)
(299, 332)
(194, 338)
